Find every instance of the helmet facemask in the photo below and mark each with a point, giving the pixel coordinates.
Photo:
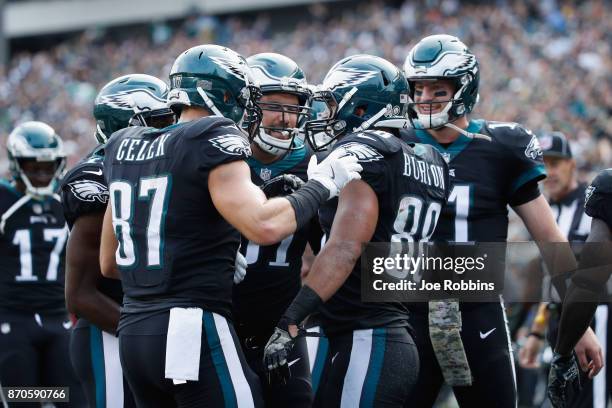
(21, 151)
(323, 131)
(292, 118)
(452, 110)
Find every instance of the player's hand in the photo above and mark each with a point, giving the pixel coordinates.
(275, 356)
(563, 378)
(528, 354)
(335, 171)
(590, 355)
(282, 185)
(241, 267)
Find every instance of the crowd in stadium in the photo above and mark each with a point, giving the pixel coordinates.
(544, 64)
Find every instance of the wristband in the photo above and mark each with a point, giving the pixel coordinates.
(537, 335)
(305, 303)
(306, 201)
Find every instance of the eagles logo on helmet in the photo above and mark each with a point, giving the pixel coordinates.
(360, 92)
(135, 99)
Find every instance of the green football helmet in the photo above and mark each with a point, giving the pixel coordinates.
(219, 80)
(276, 73)
(131, 100)
(36, 141)
(442, 57)
(360, 91)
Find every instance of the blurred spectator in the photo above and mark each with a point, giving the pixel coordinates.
(544, 64)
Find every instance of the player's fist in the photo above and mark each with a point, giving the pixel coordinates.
(240, 268)
(275, 356)
(282, 185)
(563, 379)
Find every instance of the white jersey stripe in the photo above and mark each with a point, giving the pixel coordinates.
(244, 396)
(601, 331)
(357, 368)
(112, 370)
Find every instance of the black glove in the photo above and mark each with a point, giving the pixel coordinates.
(282, 185)
(563, 377)
(275, 356)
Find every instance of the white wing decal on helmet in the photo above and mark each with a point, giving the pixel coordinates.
(346, 77)
(231, 144)
(89, 190)
(231, 67)
(138, 100)
(362, 152)
(446, 64)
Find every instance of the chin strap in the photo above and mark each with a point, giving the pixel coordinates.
(468, 134)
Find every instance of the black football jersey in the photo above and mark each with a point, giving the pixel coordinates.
(83, 192)
(273, 273)
(175, 249)
(484, 176)
(411, 183)
(598, 197)
(33, 237)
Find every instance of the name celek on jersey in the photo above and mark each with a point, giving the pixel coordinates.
(89, 190)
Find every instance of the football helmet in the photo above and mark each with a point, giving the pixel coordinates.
(36, 141)
(217, 79)
(131, 100)
(360, 92)
(276, 73)
(442, 57)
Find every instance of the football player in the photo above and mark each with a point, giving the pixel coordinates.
(372, 359)
(492, 165)
(273, 277)
(584, 292)
(34, 325)
(566, 197)
(135, 99)
(179, 199)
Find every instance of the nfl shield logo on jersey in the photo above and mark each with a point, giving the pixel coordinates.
(265, 174)
(446, 156)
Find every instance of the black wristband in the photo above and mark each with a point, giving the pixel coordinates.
(307, 200)
(537, 335)
(305, 303)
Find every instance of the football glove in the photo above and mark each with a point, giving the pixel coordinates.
(563, 377)
(282, 185)
(241, 267)
(275, 356)
(335, 171)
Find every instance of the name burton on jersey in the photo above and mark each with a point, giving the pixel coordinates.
(421, 171)
(146, 149)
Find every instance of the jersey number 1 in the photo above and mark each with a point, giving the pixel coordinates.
(153, 189)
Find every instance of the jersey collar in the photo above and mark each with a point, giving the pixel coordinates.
(452, 150)
(271, 170)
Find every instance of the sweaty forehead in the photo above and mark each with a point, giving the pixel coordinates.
(280, 97)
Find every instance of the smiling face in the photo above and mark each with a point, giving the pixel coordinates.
(40, 174)
(280, 111)
(432, 96)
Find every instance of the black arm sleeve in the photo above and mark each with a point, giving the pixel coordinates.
(588, 284)
(527, 192)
